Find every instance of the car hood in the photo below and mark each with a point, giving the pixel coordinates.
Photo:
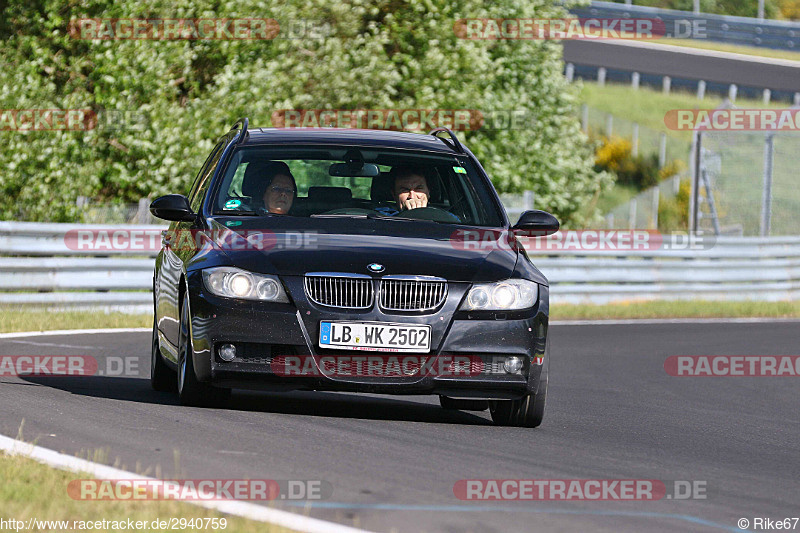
(427, 249)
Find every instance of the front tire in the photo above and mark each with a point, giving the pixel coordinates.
(192, 392)
(162, 377)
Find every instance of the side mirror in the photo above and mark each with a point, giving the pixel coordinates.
(536, 223)
(173, 207)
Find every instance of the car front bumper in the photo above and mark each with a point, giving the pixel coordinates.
(262, 332)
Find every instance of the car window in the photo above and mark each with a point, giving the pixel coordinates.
(204, 177)
(313, 181)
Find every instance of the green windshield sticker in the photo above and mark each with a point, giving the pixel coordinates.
(460, 170)
(232, 204)
(233, 223)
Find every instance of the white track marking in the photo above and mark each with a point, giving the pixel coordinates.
(244, 509)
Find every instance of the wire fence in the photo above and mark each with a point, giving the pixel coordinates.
(644, 140)
(107, 213)
(747, 183)
(646, 209)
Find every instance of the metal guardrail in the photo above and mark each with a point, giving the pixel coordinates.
(38, 268)
(783, 35)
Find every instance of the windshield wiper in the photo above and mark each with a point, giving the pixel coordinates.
(405, 219)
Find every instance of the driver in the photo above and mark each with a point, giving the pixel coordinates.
(410, 187)
(281, 188)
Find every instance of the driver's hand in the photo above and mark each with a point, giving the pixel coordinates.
(413, 203)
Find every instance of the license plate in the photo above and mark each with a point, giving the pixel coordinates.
(373, 336)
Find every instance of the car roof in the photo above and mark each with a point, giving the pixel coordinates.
(349, 136)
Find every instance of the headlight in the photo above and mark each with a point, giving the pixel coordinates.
(233, 282)
(508, 295)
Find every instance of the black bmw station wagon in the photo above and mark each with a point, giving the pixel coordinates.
(350, 260)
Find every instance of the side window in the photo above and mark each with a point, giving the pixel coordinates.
(204, 178)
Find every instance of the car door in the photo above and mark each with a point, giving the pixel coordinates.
(176, 246)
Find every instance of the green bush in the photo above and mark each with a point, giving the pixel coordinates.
(614, 155)
(673, 213)
(381, 54)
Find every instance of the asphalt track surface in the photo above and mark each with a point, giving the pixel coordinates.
(612, 413)
(682, 62)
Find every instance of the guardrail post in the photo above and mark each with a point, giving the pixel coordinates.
(666, 84)
(701, 89)
(696, 7)
(570, 72)
(601, 76)
(732, 90)
(635, 81)
(797, 99)
(766, 95)
(632, 214)
(761, 10)
(662, 149)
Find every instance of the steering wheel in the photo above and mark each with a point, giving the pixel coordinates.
(435, 214)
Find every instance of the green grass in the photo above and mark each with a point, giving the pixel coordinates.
(732, 48)
(648, 107)
(33, 490)
(23, 319)
(613, 196)
(677, 309)
(42, 321)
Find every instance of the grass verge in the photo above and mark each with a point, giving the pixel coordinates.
(732, 48)
(648, 107)
(31, 490)
(21, 319)
(677, 309)
(40, 321)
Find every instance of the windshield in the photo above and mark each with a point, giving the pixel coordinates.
(355, 182)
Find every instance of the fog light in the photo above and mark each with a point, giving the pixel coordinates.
(512, 365)
(227, 352)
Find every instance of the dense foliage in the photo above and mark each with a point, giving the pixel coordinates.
(162, 103)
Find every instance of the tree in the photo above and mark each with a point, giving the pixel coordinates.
(161, 103)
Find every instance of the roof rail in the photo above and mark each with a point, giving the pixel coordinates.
(244, 123)
(455, 144)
